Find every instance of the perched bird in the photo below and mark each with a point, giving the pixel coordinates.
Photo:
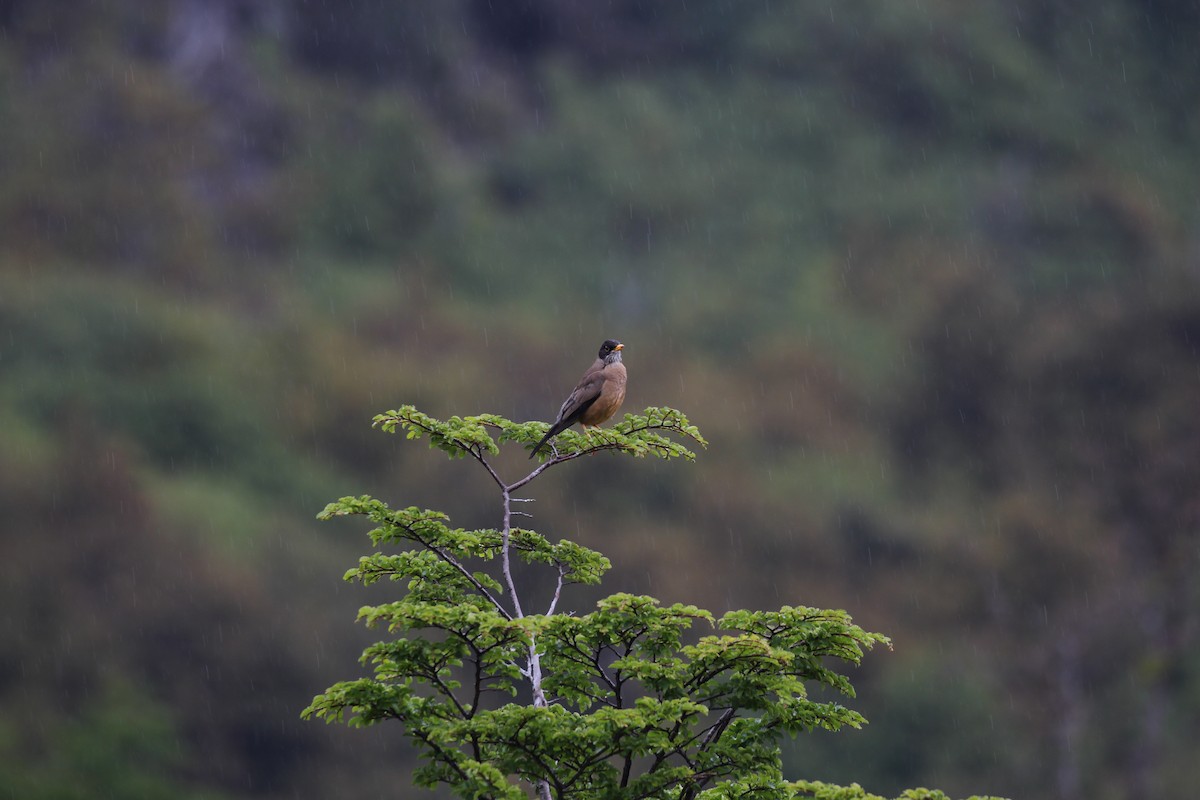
(596, 398)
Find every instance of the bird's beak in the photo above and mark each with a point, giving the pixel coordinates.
(619, 347)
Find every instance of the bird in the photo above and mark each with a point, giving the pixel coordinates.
(597, 396)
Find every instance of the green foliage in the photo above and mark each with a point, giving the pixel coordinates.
(618, 702)
(637, 434)
(825, 791)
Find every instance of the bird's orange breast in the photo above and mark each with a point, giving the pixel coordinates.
(612, 395)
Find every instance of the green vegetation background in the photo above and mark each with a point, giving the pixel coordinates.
(926, 274)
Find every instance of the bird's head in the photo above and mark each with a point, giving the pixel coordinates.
(610, 351)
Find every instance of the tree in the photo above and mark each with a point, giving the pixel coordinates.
(616, 703)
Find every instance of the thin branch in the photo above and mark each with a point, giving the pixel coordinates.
(506, 533)
(476, 748)
(715, 732)
(534, 662)
(454, 562)
(437, 681)
(478, 659)
(592, 660)
(479, 587)
(611, 445)
(543, 785)
(522, 500)
(545, 465)
(585, 763)
(478, 456)
(441, 753)
(718, 729)
(562, 572)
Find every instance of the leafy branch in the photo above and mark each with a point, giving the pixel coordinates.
(637, 435)
(622, 702)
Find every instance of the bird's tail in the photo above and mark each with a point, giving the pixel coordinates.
(549, 434)
(539, 445)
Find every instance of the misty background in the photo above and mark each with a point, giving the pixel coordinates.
(925, 273)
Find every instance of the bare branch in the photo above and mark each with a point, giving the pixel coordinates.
(562, 572)
(506, 561)
(477, 454)
(545, 465)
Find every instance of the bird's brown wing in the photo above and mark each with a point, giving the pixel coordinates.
(577, 402)
(581, 397)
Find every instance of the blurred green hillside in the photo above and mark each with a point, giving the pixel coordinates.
(926, 274)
